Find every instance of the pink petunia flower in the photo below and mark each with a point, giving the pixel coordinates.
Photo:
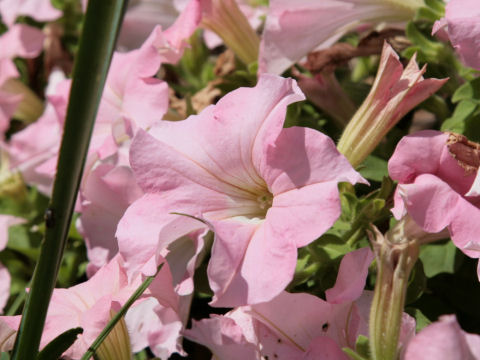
(40, 10)
(462, 23)
(443, 340)
(295, 28)
(296, 326)
(90, 305)
(433, 183)
(264, 190)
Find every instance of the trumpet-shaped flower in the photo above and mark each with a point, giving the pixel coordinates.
(225, 19)
(90, 305)
(296, 326)
(462, 22)
(263, 190)
(294, 28)
(394, 93)
(430, 167)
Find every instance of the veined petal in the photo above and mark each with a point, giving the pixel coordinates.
(249, 264)
(304, 214)
(314, 160)
(443, 340)
(414, 155)
(230, 137)
(351, 277)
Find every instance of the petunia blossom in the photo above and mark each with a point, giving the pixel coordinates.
(40, 10)
(443, 340)
(431, 169)
(90, 305)
(462, 23)
(264, 190)
(296, 326)
(294, 28)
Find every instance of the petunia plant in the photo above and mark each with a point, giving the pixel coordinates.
(241, 179)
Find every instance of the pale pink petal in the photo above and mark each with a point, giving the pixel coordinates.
(434, 205)
(300, 318)
(315, 160)
(165, 338)
(184, 27)
(7, 70)
(168, 46)
(351, 277)
(442, 340)
(21, 41)
(5, 222)
(432, 187)
(182, 258)
(8, 331)
(254, 115)
(148, 227)
(140, 19)
(249, 263)
(107, 192)
(145, 101)
(35, 145)
(4, 287)
(314, 25)
(462, 19)
(295, 213)
(8, 105)
(324, 348)
(224, 337)
(40, 10)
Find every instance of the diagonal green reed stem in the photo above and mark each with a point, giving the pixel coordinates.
(111, 324)
(102, 22)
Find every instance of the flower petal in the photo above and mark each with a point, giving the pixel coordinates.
(351, 277)
(249, 264)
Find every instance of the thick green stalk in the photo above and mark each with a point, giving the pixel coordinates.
(396, 254)
(102, 22)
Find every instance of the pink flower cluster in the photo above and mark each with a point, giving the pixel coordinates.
(153, 189)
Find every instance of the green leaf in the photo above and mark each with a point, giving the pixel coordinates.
(458, 121)
(468, 91)
(417, 283)
(426, 49)
(434, 10)
(55, 348)
(374, 168)
(362, 346)
(421, 321)
(438, 258)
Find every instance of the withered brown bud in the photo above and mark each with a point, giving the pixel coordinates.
(466, 152)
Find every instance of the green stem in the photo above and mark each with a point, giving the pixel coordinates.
(102, 22)
(396, 255)
(111, 324)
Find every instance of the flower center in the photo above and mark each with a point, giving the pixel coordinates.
(265, 201)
